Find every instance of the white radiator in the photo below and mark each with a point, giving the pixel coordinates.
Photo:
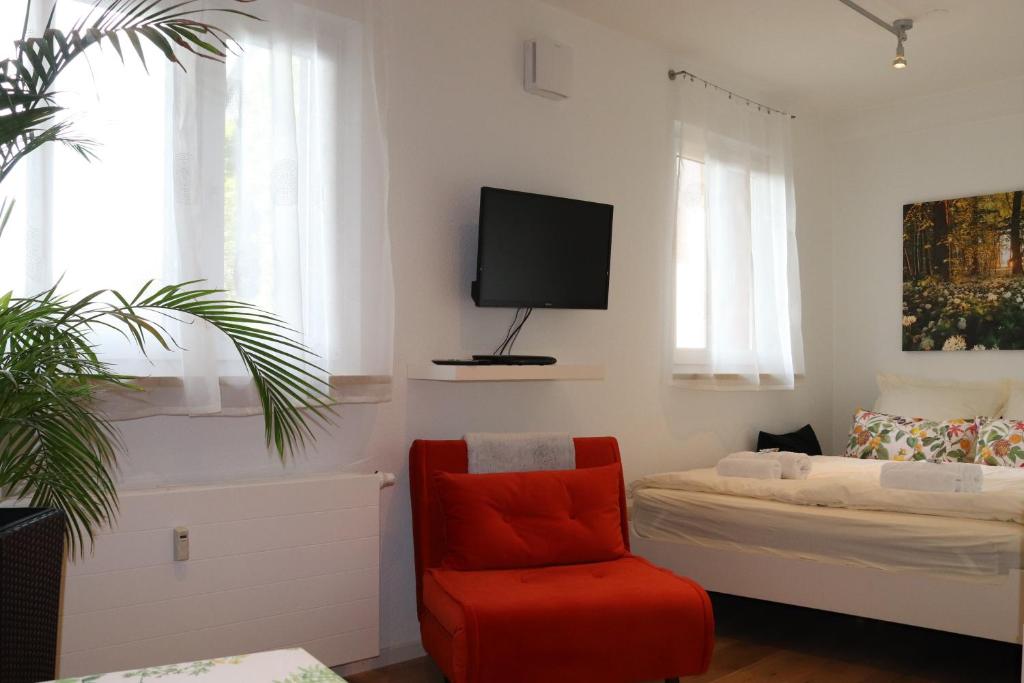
(273, 564)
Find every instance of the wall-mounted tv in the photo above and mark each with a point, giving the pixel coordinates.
(537, 251)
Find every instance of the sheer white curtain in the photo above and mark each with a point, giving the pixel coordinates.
(736, 303)
(266, 176)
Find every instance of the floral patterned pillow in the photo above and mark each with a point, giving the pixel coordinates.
(877, 436)
(1001, 442)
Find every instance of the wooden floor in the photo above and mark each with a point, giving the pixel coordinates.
(759, 641)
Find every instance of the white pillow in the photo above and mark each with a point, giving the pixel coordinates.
(1015, 404)
(940, 399)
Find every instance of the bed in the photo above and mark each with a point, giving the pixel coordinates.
(839, 542)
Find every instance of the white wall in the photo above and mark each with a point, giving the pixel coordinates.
(961, 143)
(459, 119)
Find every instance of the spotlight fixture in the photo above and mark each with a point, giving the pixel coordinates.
(898, 28)
(901, 26)
(901, 61)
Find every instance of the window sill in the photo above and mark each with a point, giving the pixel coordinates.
(733, 382)
(238, 398)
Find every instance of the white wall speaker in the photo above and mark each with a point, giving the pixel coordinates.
(548, 68)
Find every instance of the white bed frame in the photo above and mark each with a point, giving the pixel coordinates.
(987, 609)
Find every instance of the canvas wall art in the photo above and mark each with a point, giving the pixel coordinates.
(963, 277)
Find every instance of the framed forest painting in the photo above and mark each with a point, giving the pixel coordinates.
(963, 277)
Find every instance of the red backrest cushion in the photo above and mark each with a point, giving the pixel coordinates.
(530, 519)
(427, 457)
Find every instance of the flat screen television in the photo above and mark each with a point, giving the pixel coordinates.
(537, 251)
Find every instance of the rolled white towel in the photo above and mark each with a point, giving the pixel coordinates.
(794, 465)
(763, 468)
(929, 476)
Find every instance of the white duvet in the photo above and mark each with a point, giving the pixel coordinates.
(850, 483)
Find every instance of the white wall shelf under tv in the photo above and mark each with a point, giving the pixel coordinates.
(503, 373)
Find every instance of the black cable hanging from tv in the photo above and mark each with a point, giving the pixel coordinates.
(508, 333)
(519, 328)
(514, 328)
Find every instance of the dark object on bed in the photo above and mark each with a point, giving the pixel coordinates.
(802, 440)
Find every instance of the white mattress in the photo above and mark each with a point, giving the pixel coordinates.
(894, 541)
(854, 484)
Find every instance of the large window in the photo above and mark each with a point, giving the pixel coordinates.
(265, 176)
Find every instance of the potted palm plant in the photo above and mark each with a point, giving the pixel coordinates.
(57, 449)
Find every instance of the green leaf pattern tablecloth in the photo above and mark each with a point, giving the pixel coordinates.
(279, 666)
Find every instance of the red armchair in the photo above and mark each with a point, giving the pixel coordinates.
(616, 620)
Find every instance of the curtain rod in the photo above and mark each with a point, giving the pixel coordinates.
(672, 75)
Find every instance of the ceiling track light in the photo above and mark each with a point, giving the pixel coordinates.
(898, 28)
(901, 26)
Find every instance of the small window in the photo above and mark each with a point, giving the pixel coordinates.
(736, 290)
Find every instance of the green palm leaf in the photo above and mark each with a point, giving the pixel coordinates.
(57, 449)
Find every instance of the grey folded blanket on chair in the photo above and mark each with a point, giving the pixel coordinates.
(525, 452)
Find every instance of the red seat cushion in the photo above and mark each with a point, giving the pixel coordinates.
(605, 622)
(530, 519)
